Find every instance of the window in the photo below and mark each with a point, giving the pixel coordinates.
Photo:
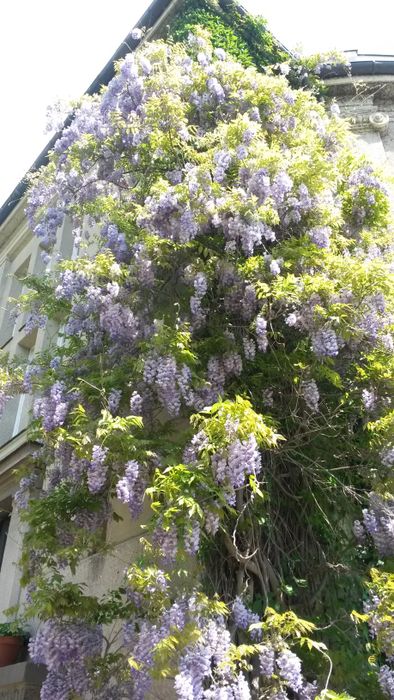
(15, 417)
(15, 290)
(4, 525)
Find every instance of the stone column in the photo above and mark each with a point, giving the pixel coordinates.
(9, 573)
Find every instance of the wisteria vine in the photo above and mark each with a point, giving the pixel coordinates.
(224, 372)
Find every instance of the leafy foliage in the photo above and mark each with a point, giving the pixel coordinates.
(11, 629)
(243, 36)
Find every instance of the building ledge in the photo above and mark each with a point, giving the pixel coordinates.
(21, 681)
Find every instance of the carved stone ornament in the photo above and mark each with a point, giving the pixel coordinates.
(363, 121)
(379, 121)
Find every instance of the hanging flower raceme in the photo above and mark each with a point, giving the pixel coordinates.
(65, 648)
(53, 407)
(229, 439)
(378, 523)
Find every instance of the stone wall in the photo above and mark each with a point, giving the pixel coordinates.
(21, 681)
(368, 105)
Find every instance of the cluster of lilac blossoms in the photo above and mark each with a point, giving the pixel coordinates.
(386, 680)
(310, 394)
(378, 523)
(53, 407)
(203, 673)
(65, 648)
(171, 383)
(243, 617)
(97, 469)
(234, 463)
(279, 662)
(204, 670)
(130, 489)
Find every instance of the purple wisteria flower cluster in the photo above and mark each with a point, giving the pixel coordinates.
(325, 343)
(386, 681)
(53, 407)
(22, 494)
(234, 463)
(130, 489)
(243, 618)
(65, 647)
(277, 661)
(172, 384)
(310, 394)
(203, 673)
(378, 523)
(97, 469)
(380, 626)
(200, 290)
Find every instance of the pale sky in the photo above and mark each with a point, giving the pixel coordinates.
(51, 50)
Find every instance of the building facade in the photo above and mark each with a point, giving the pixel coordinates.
(366, 101)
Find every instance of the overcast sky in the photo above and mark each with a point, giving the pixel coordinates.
(52, 50)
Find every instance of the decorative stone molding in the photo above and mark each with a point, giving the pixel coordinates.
(22, 693)
(378, 121)
(21, 681)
